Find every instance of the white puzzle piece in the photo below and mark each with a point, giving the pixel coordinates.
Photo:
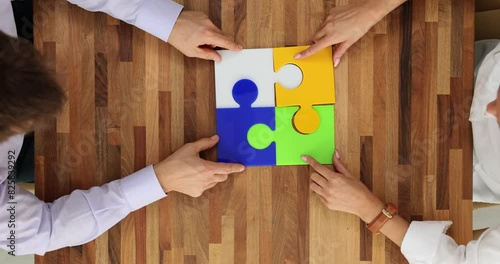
(289, 76)
(256, 65)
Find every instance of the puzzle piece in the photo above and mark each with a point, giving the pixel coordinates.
(234, 123)
(317, 87)
(290, 145)
(255, 65)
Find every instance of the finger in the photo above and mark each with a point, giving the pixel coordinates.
(220, 40)
(321, 44)
(323, 200)
(205, 143)
(316, 188)
(316, 165)
(318, 179)
(211, 185)
(218, 30)
(209, 54)
(340, 51)
(225, 168)
(323, 25)
(319, 35)
(221, 177)
(339, 166)
(316, 39)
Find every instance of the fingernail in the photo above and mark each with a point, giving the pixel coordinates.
(336, 62)
(240, 46)
(242, 168)
(304, 158)
(297, 56)
(214, 137)
(337, 155)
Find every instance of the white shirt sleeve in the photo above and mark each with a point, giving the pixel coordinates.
(427, 242)
(156, 17)
(38, 227)
(485, 132)
(7, 23)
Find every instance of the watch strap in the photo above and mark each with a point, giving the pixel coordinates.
(385, 214)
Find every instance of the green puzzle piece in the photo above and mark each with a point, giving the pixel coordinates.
(290, 144)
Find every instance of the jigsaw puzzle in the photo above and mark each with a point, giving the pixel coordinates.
(272, 108)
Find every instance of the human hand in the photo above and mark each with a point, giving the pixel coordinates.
(493, 107)
(339, 190)
(196, 36)
(185, 172)
(347, 24)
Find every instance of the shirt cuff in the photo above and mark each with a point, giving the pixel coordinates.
(157, 17)
(422, 240)
(142, 188)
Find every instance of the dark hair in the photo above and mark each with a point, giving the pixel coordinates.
(29, 92)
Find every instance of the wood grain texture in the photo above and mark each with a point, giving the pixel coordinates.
(403, 96)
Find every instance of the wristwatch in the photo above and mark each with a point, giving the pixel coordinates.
(387, 213)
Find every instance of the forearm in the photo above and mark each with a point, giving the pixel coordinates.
(394, 229)
(156, 17)
(420, 242)
(380, 8)
(72, 219)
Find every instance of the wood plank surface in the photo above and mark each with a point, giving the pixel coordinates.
(403, 97)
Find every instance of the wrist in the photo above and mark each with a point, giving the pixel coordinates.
(491, 108)
(380, 8)
(164, 182)
(371, 210)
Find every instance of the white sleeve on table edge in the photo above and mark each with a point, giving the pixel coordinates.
(158, 17)
(142, 188)
(422, 239)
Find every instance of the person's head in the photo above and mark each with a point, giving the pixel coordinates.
(29, 93)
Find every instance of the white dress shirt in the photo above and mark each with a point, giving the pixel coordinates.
(427, 242)
(156, 17)
(7, 23)
(82, 216)
(486, 133)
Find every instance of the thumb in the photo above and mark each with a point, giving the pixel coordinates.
(339, 52)
(339, 166)
(225, 168)
(321, 44)
(209, 54)
(205, 143)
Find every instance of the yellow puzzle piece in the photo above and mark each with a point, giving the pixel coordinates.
(317, 87)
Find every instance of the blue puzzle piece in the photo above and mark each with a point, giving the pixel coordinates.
(233, 125)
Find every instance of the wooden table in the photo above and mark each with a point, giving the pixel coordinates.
(403, 97)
